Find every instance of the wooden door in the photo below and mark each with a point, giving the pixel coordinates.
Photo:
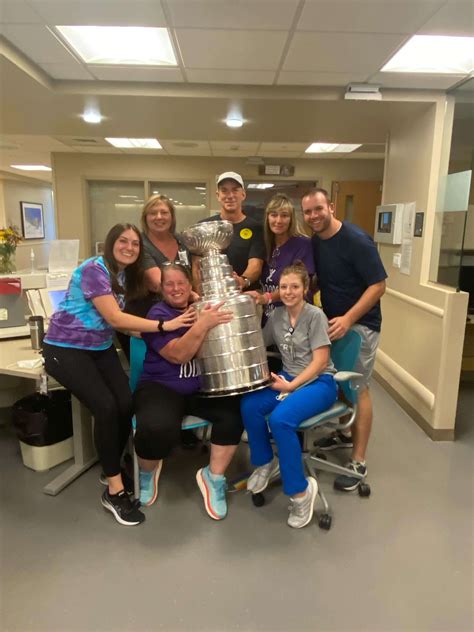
(356, 201)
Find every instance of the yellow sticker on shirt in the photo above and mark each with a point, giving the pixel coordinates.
(246, 233)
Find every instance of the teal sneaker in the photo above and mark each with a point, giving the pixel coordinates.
(149, 485)
(213, 489)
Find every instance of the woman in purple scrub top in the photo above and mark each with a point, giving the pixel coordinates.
(170, 383)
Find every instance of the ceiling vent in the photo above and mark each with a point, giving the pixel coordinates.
(363, 92)
(84, 141)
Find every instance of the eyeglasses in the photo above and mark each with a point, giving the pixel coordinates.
(275, 255)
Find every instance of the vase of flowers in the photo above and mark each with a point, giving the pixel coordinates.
(9, 240)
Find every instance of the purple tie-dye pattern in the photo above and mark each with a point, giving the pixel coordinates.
(77, 323)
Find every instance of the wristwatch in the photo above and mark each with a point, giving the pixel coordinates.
(160, 326)
(247, 282)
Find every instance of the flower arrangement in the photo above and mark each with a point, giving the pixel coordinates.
(9, 240)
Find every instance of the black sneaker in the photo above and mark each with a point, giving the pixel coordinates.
(347, 483)
(122, 507)
(334, 442)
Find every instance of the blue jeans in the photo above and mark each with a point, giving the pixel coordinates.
(283, 423)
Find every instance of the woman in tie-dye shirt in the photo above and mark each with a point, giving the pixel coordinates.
(79, 351)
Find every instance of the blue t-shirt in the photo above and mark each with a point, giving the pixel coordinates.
(77, 323)
(346, 264)
(181, 378)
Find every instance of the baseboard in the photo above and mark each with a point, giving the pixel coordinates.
(436, 434)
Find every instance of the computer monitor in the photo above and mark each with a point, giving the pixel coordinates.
(51, 298)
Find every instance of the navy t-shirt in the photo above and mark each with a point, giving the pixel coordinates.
(346, 264)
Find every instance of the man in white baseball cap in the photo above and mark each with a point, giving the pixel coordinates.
(246, 251)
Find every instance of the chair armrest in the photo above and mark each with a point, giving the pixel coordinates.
(344, 376)
(273, 354)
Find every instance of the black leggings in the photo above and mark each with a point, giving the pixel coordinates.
(97, 379)
(160, 410)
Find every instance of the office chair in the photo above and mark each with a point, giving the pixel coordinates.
(190, 422)
(344, 353)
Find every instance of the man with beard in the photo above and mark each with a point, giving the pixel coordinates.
(351, 278)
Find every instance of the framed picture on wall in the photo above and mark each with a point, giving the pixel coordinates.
(32, 221)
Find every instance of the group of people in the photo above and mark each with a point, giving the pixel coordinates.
(145, 283)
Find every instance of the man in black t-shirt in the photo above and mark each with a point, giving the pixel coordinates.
(246, 251)
(351, 278)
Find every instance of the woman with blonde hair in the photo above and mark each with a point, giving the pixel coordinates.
(161, 244)
(285, 244)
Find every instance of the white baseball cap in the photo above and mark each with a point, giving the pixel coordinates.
(230, 175)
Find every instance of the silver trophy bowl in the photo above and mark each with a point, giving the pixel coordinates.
(202, 239)
(232, 357)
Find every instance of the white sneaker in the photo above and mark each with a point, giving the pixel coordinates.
(302, 508)
(261, 476)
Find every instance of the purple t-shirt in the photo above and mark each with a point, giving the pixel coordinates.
(77, 323)
(297, 248)
(182, 378)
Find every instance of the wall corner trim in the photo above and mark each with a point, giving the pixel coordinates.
(411, 383)
(436, 434)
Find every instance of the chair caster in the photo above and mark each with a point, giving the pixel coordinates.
(364, 490)
(258, 500)
(325, 521)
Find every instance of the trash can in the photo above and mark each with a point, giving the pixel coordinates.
(43, 424)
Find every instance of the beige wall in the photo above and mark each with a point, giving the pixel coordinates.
(14, 191)
(71, 172)
(423, 328)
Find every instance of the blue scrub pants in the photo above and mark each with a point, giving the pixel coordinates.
(283, 422)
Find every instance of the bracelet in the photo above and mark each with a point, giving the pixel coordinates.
(268, 296)
(247, 282)
(160, 327)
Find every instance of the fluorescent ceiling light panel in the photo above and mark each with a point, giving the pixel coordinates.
(123, 45)
(326, 148)
(31, 167)
(438, 54)
(134, 143)
(260, 185)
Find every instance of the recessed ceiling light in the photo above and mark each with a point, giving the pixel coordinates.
(31, 167)
(234, 122)
(91, 116)
(129, 143)
(260, 185)
(438, 54)
(123, 45)
(325, 148)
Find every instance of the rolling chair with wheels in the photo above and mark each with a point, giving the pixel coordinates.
(190, 422)
(344, 353)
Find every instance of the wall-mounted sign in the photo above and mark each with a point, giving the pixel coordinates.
(276, 170)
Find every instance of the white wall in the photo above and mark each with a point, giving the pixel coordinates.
(12, 192)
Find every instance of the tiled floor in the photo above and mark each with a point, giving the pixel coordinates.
(400, 560)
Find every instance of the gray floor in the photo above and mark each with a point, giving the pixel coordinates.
(400, 560)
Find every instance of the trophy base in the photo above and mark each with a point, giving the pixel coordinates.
(249, 388)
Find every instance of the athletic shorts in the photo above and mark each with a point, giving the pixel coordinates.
(366, 360)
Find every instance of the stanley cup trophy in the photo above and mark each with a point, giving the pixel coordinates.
(233, 357)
